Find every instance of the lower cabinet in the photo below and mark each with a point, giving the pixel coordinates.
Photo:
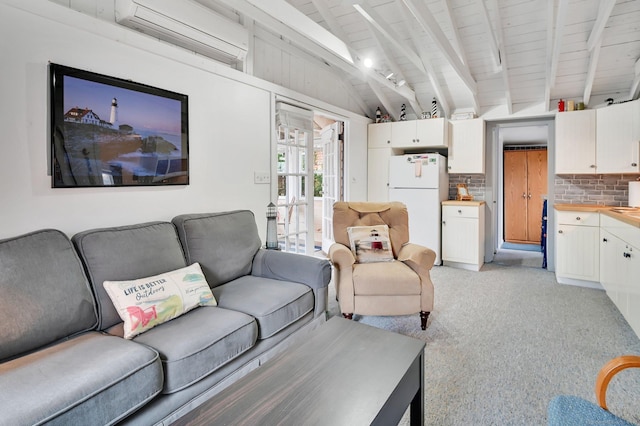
(463, 234)
(597, 250)
(577, 248)
(620, 268)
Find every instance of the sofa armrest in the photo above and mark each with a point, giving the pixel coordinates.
(311, 271)
(341, 256)
(417, 257)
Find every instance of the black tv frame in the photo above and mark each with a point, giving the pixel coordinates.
(144, 142)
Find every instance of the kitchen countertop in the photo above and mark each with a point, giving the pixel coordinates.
(462, 203)
(607, 210)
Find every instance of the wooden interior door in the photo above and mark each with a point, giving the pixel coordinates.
(515, 196)
(537, 187)
(525, 182)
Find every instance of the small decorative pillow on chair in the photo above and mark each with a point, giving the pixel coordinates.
(370, 243)
(146, 302)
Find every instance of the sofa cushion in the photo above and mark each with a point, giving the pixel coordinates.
(209, 337)
(126, 253)
(224, 244)
(273, 303)
(90, 379)
(147, 302)
(45, 295)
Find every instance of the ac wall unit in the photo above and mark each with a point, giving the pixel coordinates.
(186, 24)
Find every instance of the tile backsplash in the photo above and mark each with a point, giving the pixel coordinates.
(475, 184)
(605, 190)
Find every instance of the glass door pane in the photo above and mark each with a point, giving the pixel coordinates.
(293, 202)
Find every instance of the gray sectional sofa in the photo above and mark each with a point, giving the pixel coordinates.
(62, 360)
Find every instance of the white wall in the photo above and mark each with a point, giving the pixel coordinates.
(230, 124)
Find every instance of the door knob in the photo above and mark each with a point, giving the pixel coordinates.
(560, 231)
(529, 195)
(524, 195)
(578, 218)
(634, 164)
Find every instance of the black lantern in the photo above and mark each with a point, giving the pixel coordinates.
(272, 238)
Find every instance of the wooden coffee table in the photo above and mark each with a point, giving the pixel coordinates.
(345, 374)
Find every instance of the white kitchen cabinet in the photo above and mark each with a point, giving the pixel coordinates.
(578, 248)
(610, 274)
(378, 174)
(379, 135)
(463, 234)
(429, 133)
(618, 138)
(466, 146)
(620, 254)
(576, 142)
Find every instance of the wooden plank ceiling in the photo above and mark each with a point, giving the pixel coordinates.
(497, 57)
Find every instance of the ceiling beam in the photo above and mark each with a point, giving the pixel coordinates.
(292, 17)
(427, 22)
(332, 22)
(549, 51)
(606, 6)
(249, 10)
(355, 70)
(295, 51)
(424, 57)
(505, 65)
(462, 54)
(394, 67)
(557, 41)
(493, 44)
(336, 28)
(635, 86)
(591, 72)
(384, 100)
(379, 24)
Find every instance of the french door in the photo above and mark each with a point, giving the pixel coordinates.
(330, 179)
(295, 191)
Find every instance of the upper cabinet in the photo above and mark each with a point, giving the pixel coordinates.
(429, 133)
(576, 142)
(605, 140)
(379, 135)
(466, 146)
(618, 137)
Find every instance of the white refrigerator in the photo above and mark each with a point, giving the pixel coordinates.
(421, 182)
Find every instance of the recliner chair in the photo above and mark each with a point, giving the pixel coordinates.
(401, 286)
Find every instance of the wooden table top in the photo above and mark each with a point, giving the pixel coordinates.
(606, 210)
(344, 374)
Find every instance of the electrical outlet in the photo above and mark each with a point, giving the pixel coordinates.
(261, 177)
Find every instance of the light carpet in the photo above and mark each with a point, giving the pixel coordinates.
(502, 342)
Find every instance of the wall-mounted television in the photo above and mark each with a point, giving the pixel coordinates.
(107, 131)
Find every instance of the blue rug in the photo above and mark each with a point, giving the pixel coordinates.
(524, 247)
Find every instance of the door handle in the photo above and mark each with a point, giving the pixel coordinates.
(529, 195)
(524, 195)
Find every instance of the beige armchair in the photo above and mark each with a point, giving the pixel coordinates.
(399, 287)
